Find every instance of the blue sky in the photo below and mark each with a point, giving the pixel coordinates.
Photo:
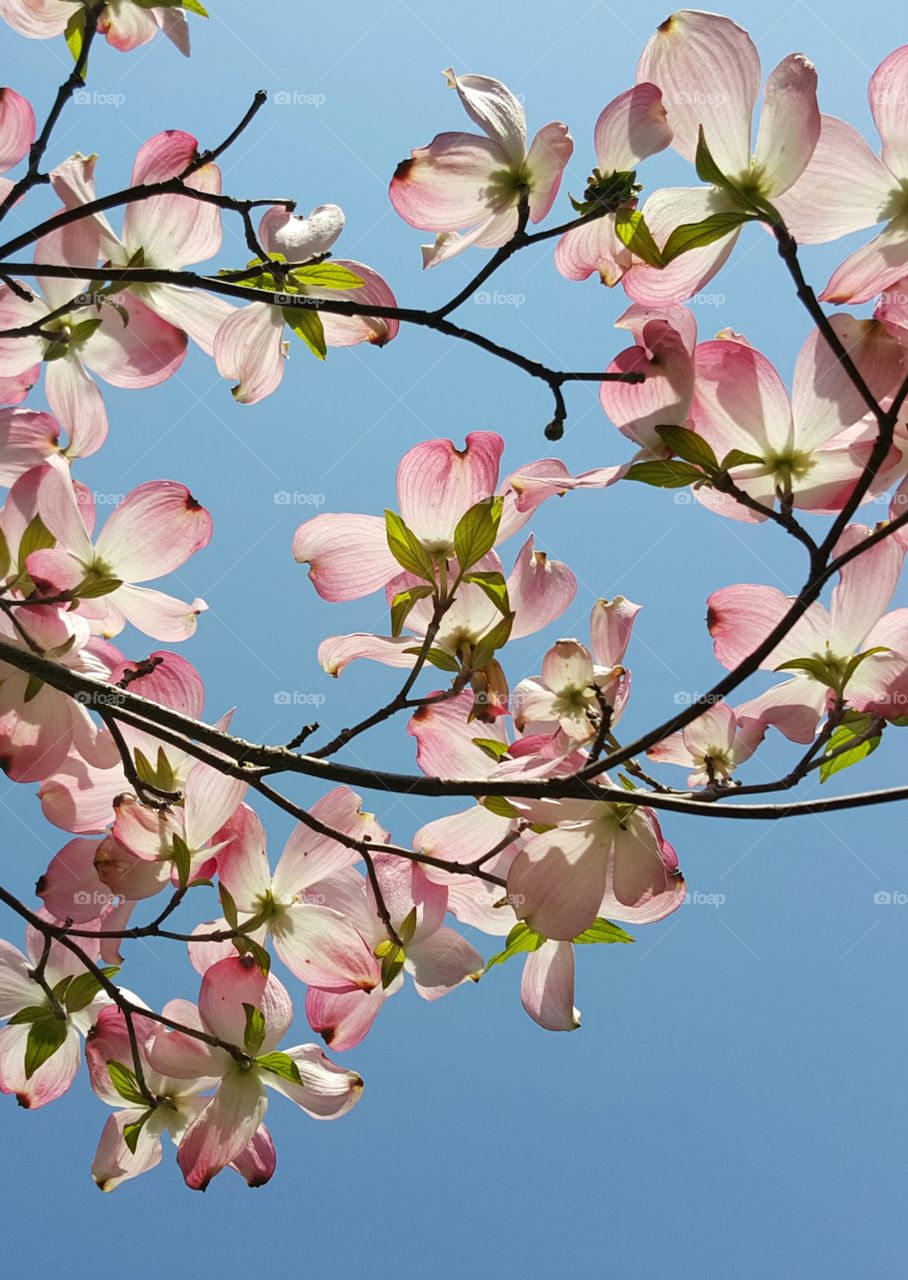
(734, 1102)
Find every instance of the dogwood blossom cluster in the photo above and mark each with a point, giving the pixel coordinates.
(542, 845)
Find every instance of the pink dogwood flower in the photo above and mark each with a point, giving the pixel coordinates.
(847, 188)
(539, 591)
(152, 848)
(126, 24)
(249, 346)
(708, 70)
(712, 746)
(349, 556)
(167, 233)
(230, 1120)
(599, 859)
(436, 956)
(39, 1046)
(316, 943)
(571, 692)
(153, 531)
(131, 1140)
(17, 132)
(632, 127)
(466, 180)
(857, 622)
(79, 795)
(128, 345)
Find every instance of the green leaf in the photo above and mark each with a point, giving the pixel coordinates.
(492, 747)
(690, 446)
(407, 927)
(486, 648)
(814, 667)
(254, 1034)
(327, 275)
(403, 602)
(499, 806)
(602, 930)
(627, 783)
(74, 34)
(281, 1064)
(83, 989)
(261, 956)
(494, 586)
(635, 234)
(126, 1084)
(131, 1131)
(440, 659)
(407, 549)
(521, 938)
(31, 1013)
(92, 588)
(306, 323)
(840, 738)
(5, 557)
(694, 235)
(82, 331)
(164, 772)
(476, 532)
(37, 537)
(45, 1036)
(391, 965)
(191, 6)
(737, 458)
(228, 905)
(33, 688)
(856, 661)
(664, 475)
(182, 858)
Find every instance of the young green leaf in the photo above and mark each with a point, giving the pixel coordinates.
(37, 537)
(521, 938)
(476, 532)
(254, 1034)
(45, 1036)
(486, 648)
(306, 323)
(83, 989)
(633, 232)
(407, 549)
(494, 586)
(327, 275)
(857, 724)
(182, 858)
(690, 446)
(403, 602)
(499, 806)
(132, 1130)
(602, 930)
(391, 965)
(493, 748)
(694, 235)
(281, 1064)
(440, 659)
(126, 1084)
(407, 927)
(737, 458)
(665, 475)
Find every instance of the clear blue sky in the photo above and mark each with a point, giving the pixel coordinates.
(734, 1104)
